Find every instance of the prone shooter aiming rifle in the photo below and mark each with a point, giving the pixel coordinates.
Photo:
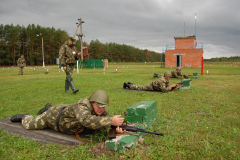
(178, 85)
(112, 132)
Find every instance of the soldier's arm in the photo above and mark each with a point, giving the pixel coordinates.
(179, 75)
(164, 87)
(76, 54)
(62, 56)
(83, 114)
(174, 74)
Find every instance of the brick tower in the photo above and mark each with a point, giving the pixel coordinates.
(185, 53)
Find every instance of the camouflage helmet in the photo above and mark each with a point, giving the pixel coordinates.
(167, 74)
(100, 97)
(178, 68)
(73, 40)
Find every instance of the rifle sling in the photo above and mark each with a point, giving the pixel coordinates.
(58, 118)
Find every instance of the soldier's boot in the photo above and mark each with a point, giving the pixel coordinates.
(66, 86)
(47, 106)
(130, 83)
(155, 75)
(125, 85)
(17, 117)
(73, 87)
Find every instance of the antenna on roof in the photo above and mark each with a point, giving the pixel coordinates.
(184, 26)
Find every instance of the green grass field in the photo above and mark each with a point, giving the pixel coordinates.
(202, 123)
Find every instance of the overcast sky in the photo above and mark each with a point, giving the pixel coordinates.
(145, 24)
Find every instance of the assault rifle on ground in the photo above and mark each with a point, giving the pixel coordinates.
(112, 132)
(178, 85)
(186, 76)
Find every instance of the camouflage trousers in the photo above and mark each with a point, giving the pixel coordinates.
(20, 71)
(147, 87)
(69, 72)
(45, 120)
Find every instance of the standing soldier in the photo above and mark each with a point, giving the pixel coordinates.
(67, 55)
(21, 64)
(161, 84)
(175, 74)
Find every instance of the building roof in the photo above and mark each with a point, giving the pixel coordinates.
(186, 37)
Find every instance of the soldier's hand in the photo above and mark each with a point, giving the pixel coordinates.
(64, 68)
(174, 85)
(79, 53)
(120, 130)
(117, 120)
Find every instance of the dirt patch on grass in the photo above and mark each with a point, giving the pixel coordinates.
(99, 149)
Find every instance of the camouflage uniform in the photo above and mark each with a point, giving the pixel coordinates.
(67, 55)
(78, 113)
(21, 64)
(176, 74)
(160, 84)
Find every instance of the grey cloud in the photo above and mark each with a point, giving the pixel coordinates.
(146, 24)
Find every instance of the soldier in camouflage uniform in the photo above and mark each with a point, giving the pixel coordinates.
(21, 64)
(161, 84)
(175, 74)
(89, 112)
(67, 55)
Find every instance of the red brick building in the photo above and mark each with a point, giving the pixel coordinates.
(85, 53)
(185, 53)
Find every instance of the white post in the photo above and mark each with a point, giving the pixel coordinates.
(43, 52)
(77, 66)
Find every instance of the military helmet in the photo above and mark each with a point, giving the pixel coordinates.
(73, 40)
(178, 68)
(167, 74)
(100, 97)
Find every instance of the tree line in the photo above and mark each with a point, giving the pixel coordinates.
(121, 53)
(20, 40)
(224, 59)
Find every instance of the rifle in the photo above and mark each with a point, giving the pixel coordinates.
(112, 132)
(181, 83)
(155, 75)
(186, 76)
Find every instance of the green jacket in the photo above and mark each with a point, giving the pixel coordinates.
(67, 54)
(78, 113)
(21, 62)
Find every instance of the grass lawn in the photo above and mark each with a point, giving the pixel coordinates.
(202, 123)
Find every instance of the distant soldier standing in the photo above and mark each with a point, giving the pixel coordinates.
(21, 64)
(67, 55)
(161, 84)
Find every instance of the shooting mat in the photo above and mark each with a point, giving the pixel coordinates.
(44, 136)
